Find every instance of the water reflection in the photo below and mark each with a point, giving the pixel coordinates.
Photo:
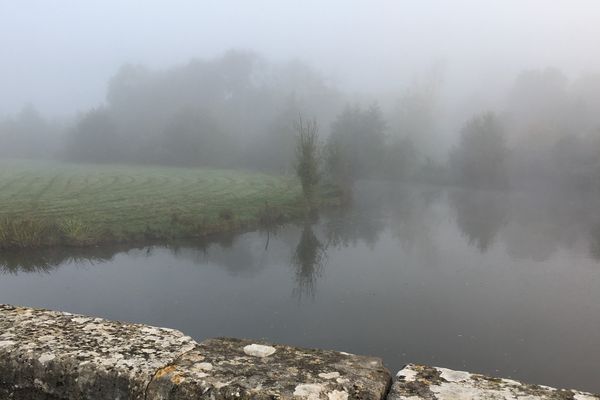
(479, 280)
(480, 214)
(412, 218)
(230, 254)
(350, 226)
(45, 260)
(595, 242)
(309, 259)
(528, 226)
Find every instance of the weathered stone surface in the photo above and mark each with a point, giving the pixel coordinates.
(47, 355)
(416, 382)
(241, 369)
(53, 355)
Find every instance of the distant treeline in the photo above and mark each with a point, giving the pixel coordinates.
(238, 111)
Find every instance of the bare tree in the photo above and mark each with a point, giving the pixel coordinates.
(307, 156)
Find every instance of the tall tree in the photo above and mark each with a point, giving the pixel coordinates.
(94, 138)
(307, 156)
(481, 156)
(358, 140)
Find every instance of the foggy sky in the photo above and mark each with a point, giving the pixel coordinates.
(59, 54)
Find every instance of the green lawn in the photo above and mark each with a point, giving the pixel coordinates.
(120, 202)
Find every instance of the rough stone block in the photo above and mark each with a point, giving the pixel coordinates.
(53, 355)
(242, 369)
(416, 382)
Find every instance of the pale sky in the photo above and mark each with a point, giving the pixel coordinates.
(59, 54)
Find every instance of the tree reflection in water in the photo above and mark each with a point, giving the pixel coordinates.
(526, 225)
(480, 215)
(308, 260)
(46, 260)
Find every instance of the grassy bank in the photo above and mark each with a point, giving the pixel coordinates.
(49, 203)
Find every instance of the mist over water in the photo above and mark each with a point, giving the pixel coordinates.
(481, 281)
(462, 139)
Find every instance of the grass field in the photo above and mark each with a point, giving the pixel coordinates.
(49, 202)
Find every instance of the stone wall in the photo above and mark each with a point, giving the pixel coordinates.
(48, 355)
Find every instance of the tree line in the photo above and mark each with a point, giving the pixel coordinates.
(240, 110)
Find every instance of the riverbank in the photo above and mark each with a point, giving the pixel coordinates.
(51, 203)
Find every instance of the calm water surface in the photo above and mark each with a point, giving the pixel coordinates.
(504, 284)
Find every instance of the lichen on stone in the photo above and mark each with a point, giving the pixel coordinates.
(416, 382)
(68, 356)
(286, 373)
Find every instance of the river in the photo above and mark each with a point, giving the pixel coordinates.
(506, 284)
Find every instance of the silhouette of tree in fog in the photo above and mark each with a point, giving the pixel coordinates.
(29, 135)
(401, 159)
(480, 158)
(555, 129)
(356, 144)
(414, 117)
(338, 164)
(194, 138)
(238, 101)
(538, 107)
(278, 141)
(95, 138)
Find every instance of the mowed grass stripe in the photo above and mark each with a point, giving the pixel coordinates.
(120, 198)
